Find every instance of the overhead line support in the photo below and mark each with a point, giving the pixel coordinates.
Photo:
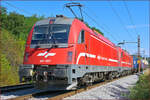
(139, 53)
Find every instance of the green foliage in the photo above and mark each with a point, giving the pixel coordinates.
(11, 57)
(3, 17)
(17, 24)
(87, 24)
(97, 30)
(14, 31)
(8, 74)
(12, 48)
(94, 28)
(142, 89)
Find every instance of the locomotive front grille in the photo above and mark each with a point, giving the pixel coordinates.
(52, 71)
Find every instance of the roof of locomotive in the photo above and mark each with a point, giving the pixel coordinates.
(66, 20)
(100, 36)
(56, 20)
(104, 39)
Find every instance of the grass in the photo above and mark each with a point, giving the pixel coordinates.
(11, 57)
(141, 91)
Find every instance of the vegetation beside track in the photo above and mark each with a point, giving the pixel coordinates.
(141, 91)
(11, 57)
(14, 30)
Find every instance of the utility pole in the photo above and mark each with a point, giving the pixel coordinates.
(138, 47)
(139, 54)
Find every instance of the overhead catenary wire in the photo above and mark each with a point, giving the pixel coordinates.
(120, 20)
(101, 22)
(99, 25)
(68, 5)
(22, 10)
(76, 16)
(130, 17)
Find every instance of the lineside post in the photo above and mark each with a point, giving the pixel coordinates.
(139, 67)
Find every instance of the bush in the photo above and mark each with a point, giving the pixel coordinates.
(8, 73)
(11, 57)
(14, 30)
(141, 91)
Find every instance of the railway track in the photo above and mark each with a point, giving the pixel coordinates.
(15, 87)
(62, 94)
(39, 93)
(82, 89)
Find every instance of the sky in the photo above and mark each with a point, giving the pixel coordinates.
(118, 20)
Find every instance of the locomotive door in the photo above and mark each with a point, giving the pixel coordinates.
(82, 48)
(119, 57)
(87, 47)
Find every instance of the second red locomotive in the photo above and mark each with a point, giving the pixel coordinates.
(64, 53)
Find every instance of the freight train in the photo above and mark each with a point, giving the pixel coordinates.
(62, 53)
(143, 64)
(135, 64)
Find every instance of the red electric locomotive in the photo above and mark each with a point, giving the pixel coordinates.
(62, 53)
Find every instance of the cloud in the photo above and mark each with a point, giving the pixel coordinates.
(138, 26)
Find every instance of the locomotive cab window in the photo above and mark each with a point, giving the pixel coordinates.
(81, 37)
(50, 34)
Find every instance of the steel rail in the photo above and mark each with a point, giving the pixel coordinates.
(32, 95)
(15, 87)
(61, 96)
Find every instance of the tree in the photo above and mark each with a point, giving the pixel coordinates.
(14, 30)
(15, 23)
(93, 28)
(3, 17)
(97, 30)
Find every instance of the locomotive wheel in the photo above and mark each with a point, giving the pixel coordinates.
(86, 80)
(110, 76)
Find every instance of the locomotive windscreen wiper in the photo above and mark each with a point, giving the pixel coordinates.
(50, 34)
(52, 37)
(54, 45)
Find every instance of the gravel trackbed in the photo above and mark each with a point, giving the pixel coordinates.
(113, 90)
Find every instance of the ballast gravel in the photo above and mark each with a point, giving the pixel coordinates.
(113, 90)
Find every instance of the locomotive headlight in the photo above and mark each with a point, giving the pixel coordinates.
(69, 56)
(31, 72)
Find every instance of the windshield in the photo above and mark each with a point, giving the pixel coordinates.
(50, 34)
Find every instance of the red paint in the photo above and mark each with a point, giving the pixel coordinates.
(106, 53)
